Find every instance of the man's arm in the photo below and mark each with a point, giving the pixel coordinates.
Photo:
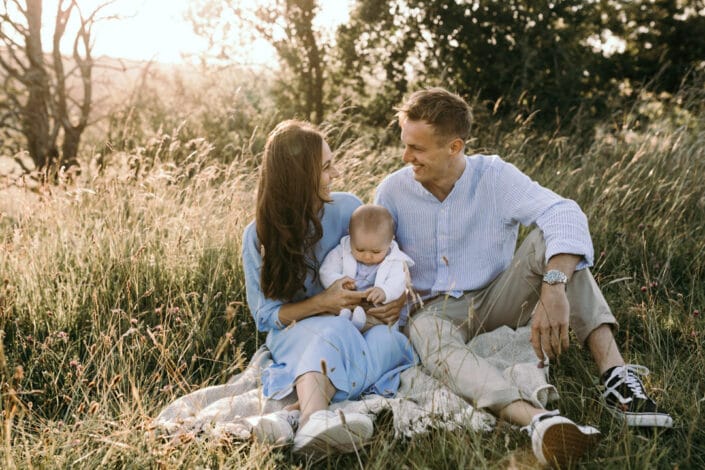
(549, 325)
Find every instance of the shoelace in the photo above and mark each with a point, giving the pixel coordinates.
(529, 428)
(630, 375)
(293, 419)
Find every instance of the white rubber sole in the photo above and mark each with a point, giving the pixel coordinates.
(653, 420)
(563, 443)
(330, 433)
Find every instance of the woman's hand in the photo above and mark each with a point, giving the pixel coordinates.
(339, 296)
(388, 313)
(330, 301)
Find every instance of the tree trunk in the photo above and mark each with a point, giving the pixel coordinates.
(69, 148)
(35, 115)
(314, 69)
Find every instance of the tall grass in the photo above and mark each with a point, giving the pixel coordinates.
(124, 290)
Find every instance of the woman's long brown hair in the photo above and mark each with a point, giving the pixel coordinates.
(288, 204)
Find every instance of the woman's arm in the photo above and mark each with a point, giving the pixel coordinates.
(331, 300)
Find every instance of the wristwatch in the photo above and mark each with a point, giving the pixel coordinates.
(555, 276)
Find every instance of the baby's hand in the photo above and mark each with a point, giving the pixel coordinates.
(376, 296)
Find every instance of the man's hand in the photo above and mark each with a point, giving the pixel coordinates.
(376, 295)
(549, 326)
(388, 313)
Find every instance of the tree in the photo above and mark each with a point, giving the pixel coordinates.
(373, 54)
(530, 54)
(520, 55)
(288, 25)
(664, 42)
(48, 98)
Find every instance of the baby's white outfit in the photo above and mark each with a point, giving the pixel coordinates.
(391, 275)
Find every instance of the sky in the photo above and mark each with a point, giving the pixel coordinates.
(156, 29)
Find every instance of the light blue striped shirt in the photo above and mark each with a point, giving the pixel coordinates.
(466, 241)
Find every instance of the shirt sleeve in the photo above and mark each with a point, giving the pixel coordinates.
(264, 310)
(383, 198)
(563, 223)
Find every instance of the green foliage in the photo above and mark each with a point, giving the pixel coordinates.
(665, 42)
(519, 57)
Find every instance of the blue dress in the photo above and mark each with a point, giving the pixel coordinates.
(355, 363)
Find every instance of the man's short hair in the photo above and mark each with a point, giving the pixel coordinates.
(448, 113)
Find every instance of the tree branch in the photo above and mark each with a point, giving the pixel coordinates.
(18, 5)
(62, 17)
(10, 94)
(14, 24)
(85, 63)
(12, 71)
(11, 47)
(7, 119)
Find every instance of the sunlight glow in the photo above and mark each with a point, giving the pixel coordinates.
(156, 30)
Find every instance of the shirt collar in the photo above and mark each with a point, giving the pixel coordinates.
(460, 185)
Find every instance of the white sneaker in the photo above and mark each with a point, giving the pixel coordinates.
(329, 432)
(558, 441)
(275, 428)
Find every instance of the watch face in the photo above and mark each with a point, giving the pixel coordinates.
(555, 277)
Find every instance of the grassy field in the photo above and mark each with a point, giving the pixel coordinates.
(124, 290)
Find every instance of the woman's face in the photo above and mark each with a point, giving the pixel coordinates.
(328, 171)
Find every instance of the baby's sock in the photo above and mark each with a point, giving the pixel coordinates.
(346, 313)
(359, 318)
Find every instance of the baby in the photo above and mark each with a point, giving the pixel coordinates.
(371, 257)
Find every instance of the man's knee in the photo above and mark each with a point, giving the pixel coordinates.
(434, 337)
(533, 247)
(419, 328)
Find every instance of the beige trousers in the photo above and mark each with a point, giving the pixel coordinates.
(441, 328)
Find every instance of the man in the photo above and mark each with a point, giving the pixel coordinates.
(458, 218)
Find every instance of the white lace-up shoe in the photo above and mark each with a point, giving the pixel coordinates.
(275, 428)
(558, 441)
(329, 432)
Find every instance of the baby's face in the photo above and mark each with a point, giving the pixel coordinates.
(369, 247)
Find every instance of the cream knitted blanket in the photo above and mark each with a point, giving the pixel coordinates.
(421, 404)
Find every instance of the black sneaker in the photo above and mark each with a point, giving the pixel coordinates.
(626, 398)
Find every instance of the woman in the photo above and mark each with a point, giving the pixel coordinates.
(320, 355)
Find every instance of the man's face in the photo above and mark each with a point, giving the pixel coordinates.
(425, 151)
